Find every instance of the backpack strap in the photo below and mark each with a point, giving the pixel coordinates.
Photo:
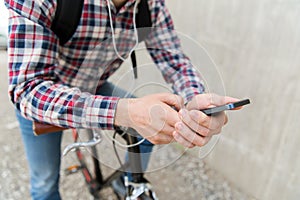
(68, 13)
(143, 20)
(67, 17)
(144, 24)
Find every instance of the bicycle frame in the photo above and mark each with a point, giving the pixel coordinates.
(138, 186)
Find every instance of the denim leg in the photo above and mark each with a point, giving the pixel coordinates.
(109, 89)
(146, 149)
(43, 155)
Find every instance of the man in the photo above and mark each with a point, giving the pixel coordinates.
(46, 83)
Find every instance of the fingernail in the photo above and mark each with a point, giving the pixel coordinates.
(179, 126)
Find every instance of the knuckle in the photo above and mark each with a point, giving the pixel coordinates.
(205, 120)
(206, 140)
(201, 142)
(175, 99)
(172, 99)
(198, 117)
(179, 99)
(154, 141)
(205, 132)
(187, 144)
(205, 103)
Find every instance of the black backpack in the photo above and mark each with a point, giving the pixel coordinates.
(68, 14)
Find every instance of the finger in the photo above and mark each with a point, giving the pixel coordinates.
(215, 132)
(217, 100)
(200, 101)
(182, 141)
(172, 100)
(203, 101)
(193, 123)
(162, 116)
(200, 118)
(210, 122)
(172, 116)
(206, 140)
(188, 134)
(160, 139)
(213, 124)
(156, 129)
(217, 121)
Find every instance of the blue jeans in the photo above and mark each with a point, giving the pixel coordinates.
(44, 153)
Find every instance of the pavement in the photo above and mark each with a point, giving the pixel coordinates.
(175, 173)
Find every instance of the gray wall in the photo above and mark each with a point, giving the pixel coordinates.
(256, 46)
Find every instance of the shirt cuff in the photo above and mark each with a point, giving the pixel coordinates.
(100, 112)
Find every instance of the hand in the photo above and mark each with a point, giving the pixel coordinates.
(196, 128)
(152, 116)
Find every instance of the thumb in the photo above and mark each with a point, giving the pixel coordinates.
(208, 100)
(172, 100)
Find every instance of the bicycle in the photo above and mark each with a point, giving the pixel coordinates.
(139, 188)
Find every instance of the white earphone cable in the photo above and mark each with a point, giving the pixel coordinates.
(113, 32)
(123, 59)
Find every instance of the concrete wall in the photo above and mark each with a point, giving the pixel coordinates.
(256, 47)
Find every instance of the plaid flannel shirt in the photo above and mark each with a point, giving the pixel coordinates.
(46, 79)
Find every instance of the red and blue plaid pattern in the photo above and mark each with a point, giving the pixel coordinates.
(56, 84)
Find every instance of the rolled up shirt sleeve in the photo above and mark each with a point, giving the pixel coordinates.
(34, 87)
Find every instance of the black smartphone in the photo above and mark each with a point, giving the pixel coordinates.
(230, 106)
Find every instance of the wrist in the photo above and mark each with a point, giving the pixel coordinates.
(122, 113)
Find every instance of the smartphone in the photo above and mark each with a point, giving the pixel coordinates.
(230, 106)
